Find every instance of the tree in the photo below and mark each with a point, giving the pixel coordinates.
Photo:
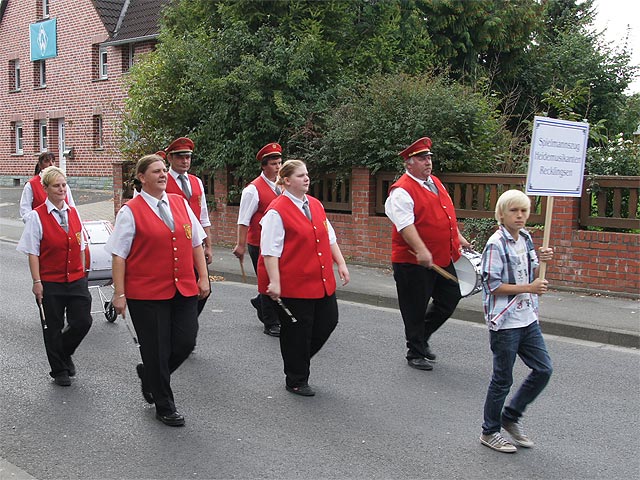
(236, 75)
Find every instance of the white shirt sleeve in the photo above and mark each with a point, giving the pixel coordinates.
(399, 208)
(119, 243)
(272, 236)
(205, 221)
(332, 233)
(26, 201)
(248, 205)
(31, 235)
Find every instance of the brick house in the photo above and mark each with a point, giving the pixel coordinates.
(62, 66)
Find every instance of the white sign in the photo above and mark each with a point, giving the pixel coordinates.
(556, 159)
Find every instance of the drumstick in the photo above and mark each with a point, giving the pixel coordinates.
(440, 270)
(43, 319)
(286, 310)
(244, 275)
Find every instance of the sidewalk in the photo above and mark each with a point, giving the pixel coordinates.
(598, 318)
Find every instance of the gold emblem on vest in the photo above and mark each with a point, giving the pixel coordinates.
(187, 230)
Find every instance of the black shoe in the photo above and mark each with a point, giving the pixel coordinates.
(173, 419)
(71, 365)
(272, 330)
(420, 363)
(304, 390)
(62, 379)
(257, 304)
(148, 396)
(429, 355)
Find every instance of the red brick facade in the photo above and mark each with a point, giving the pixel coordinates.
(75, 105)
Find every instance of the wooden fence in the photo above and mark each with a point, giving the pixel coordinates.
(607, 202)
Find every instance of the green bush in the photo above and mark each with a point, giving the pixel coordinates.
(375, 122)
(617, 157)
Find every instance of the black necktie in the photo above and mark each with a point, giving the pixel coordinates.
(185, 185)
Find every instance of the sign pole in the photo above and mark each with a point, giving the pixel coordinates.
(547, 233)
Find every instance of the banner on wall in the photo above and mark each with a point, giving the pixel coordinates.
(43, 40)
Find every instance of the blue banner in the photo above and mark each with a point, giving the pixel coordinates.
(43, 40)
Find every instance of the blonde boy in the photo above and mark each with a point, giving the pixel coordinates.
(510, 297)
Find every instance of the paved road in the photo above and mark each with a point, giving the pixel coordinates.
(373, 417)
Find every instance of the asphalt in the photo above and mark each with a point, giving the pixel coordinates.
(591, 316)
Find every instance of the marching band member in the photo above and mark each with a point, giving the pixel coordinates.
(33, 195)
(156, 245)
(425, 233)
(254, 201)
(297, 246)
(181, 182)
(52, 239)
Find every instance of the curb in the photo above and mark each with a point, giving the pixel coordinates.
(556, 327)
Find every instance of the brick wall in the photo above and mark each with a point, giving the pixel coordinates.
(584, 260)
(74, 95)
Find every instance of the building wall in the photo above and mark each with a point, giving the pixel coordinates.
(73, 94)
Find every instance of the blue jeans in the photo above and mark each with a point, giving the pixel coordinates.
(528, 344)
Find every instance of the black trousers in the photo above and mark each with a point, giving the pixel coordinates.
(267, 313)
(299, 341)
(166, 331)
(61, 342)
(416, 286)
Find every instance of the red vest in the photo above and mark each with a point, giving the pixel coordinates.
(195, 202)
(160, 261)
(435, 220)
(39, 195)
(60, 259)
(306, 263)
(265, 196)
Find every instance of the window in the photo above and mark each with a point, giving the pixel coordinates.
(19, 138)
(14, 75)
(98, 132)
(102, 58)
(42, 135)
(128, 51)
(39, 74)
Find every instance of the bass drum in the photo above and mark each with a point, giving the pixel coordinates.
(96, 260)
(468, 272)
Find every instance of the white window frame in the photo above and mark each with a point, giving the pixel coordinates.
(16, 74)
(19, 138)
(103, 63)
(43, 74)
(45, 9)
(42, 134)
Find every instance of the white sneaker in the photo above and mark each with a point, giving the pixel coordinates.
(517, 434)
(497, 442)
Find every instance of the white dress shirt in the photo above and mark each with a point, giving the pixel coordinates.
(272, 237)
(204, 219)
(120, 241)
(249, 201)
(32, 234)
(399, 205)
